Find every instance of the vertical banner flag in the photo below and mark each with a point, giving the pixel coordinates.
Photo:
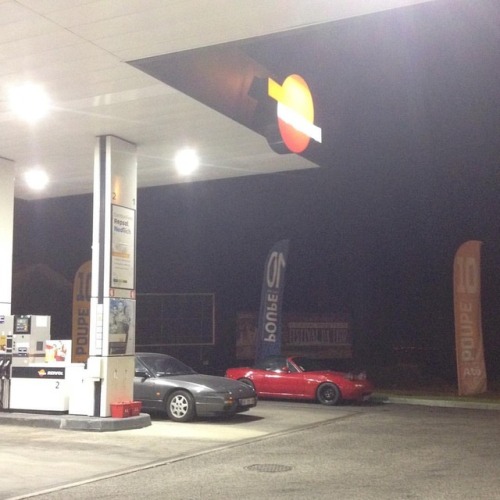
(81, 313)
(471, 368)
(268, 340)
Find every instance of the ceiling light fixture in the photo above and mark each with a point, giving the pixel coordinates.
(29, 101)
(36, 179)
(186, 161)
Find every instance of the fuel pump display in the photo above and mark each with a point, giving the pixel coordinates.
(29, 336)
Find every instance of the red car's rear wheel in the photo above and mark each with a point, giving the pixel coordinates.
(328, 394)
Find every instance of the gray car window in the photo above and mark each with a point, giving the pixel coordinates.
(166, 365)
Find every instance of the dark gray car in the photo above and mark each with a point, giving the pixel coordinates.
(166, 384)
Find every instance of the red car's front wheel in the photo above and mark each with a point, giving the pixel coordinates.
(328, 394)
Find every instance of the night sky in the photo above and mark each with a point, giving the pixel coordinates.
(410, 108)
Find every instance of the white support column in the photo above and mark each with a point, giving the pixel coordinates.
(6, 233)
(112, 305)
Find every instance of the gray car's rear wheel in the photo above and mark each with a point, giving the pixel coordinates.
(328, 394)
(181, 406)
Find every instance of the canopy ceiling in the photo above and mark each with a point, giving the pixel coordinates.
(80, 51)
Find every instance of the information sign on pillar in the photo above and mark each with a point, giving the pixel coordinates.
(113, 249)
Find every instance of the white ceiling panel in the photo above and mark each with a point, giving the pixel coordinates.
(71, 13)
(38, 44)
(44, 7)
(28, 27)
(83, 55)
(12, 12)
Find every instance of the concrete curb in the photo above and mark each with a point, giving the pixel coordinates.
(75, 422)
(382, 398)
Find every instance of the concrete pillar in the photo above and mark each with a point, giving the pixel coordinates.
(112, 304)
(6, 233)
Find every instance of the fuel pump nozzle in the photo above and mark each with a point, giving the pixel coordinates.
(4, 368)
(4, 382)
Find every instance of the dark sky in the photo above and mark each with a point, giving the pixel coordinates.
(383, 255)
(410, 106)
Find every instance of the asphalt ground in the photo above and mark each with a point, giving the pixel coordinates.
(277, 450)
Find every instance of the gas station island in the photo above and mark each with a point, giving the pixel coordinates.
(37, 373)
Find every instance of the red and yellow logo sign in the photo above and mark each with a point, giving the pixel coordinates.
(295, 112)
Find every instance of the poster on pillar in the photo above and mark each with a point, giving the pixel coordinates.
(123, 248)
(121, 327)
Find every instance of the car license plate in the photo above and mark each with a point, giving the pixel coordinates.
(247, 401)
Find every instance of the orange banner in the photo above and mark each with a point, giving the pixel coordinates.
(471, 369)
(81, 313)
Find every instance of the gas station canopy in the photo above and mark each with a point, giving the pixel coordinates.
(89, 58)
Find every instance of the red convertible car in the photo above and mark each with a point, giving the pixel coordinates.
(300, 378)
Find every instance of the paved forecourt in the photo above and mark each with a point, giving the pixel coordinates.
(57, 456)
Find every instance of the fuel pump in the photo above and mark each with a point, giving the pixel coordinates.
(32, 366)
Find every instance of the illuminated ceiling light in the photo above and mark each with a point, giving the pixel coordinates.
(186, 161)
(36, 179)
(29, 101)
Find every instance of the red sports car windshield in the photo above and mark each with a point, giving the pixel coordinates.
(292, 364)
(307, 364)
